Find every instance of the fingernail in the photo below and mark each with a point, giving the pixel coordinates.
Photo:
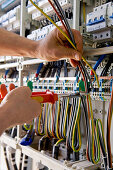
(78, 56)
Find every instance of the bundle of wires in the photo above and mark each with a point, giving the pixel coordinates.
(65, 23)
(61, 121)
(95, 134)
(73, 139)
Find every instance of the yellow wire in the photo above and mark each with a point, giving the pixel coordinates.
(64, 129)
(92, 123)
(99, 120)
(25, 126)
(84, 12)
(39, 122)
(59, 141)
(64, 34)
(57, 121)
(78, 126)
(50, 117)
(47, 105)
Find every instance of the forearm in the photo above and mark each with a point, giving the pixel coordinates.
(14, 45)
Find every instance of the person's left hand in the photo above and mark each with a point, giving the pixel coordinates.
(18, 106)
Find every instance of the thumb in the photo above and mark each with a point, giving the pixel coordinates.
(35, 109)
(71, 53)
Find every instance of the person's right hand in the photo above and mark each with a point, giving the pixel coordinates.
(18, 106)
(55, 46)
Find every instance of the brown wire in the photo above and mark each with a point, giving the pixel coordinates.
(109, 127)
(59, 17)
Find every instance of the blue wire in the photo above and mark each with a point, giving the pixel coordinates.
(6, 72)
(99, 61)
(39, 68)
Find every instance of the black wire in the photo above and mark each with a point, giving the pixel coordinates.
(65, 69)
(59, 67)
(109, 154)
(45, 69)
(54, 69)
(75, 103)
(49, 69)
(27, 2)
(74, 107)
(76, 71)
(101, 140)
(84, 105)
(62, 116)
(65, 20)
(106, 68)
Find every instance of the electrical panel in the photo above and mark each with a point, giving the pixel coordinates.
(70, 133)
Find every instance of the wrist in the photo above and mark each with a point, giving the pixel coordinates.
(35, 51)
(30, 52)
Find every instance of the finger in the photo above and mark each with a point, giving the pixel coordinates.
(77, 37)
(60, 36)
(3, 90)
(27, 91)
(11, 86)
(64, 52)
(23, 91)
(73, 62)
(35, 109)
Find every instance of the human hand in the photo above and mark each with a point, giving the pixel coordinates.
(18, 106)
(55, 46)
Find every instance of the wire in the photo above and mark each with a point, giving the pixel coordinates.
(75, 124)
(57, 120)
(109, 118)
(59, 16)
(60, 141)
(65, 21)
(39, 69)
(84, 12)
(68, 29)
(66, 116)
(65, 37)
(101, 58)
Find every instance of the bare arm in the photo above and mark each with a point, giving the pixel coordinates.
(53, 47)
(14, 45)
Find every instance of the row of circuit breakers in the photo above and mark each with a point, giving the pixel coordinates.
(99, 23)
(11, 19)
